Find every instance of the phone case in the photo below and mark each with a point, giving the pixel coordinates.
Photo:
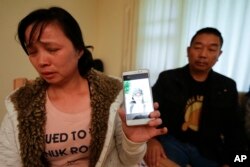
(137, 97)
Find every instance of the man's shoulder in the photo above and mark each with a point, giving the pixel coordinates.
(172, 71)
(222, 78)
(222, 82)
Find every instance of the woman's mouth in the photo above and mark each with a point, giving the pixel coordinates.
(47, 75)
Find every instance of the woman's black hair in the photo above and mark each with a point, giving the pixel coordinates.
(98, 65)
(41, 17)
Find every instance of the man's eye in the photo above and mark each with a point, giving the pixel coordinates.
(197, 47)
(212, 49)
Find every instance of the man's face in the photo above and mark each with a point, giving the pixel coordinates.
(204, 52)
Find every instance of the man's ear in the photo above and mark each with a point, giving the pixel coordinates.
(220, 52)
(188, 48)
(219, 55)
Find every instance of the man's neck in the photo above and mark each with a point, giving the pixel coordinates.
(199, 76)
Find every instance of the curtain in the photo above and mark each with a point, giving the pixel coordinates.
(165, 28)
(130, 14)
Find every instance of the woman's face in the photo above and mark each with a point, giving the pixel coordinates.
(53, 54)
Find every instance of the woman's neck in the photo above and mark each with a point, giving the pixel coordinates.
(73, 87)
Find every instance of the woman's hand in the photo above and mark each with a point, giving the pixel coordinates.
(143, 133)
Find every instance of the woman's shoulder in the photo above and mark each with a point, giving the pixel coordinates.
(104, 82)
(9, 104)
(103, 86)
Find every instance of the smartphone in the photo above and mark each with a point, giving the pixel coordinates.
(137, 97)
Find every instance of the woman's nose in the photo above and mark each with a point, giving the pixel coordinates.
(43, 59)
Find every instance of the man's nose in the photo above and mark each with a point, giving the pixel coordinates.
(204, 52)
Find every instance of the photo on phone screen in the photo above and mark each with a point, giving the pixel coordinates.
(137, 96)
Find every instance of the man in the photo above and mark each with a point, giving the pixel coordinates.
(200, 108)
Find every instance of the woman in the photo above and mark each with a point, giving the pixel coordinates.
(68, 116)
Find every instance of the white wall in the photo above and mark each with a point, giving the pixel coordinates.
(101, 22)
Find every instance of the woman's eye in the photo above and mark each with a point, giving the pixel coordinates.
(52, 49)
(32, 52)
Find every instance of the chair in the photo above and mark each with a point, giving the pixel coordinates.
(19, 82)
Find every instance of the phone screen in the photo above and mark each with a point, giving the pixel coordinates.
(138, 97)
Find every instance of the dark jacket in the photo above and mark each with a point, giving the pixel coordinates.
(221, 129)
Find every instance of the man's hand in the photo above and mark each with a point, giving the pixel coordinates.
(165, 162)
(154, 153)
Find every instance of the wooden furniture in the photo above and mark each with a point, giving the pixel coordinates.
(18, 82)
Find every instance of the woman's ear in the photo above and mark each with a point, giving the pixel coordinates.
(80, 53)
